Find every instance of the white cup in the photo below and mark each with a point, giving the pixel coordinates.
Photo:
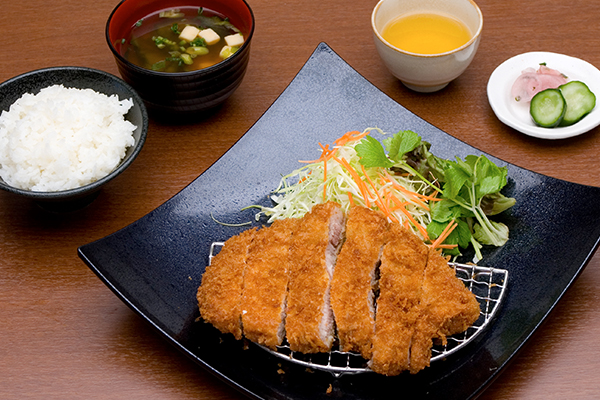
(427, 72)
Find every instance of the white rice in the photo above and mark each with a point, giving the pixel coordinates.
(63, 138)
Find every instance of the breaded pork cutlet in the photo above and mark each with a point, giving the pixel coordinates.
(354, 278)
(315, 244)
(266, 283)
(400, 283)
(220, 294)
(447, 307)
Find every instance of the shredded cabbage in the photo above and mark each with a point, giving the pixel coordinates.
(396, 194)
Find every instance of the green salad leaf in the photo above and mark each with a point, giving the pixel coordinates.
(372, 153)
(401, 177)
(469, 188)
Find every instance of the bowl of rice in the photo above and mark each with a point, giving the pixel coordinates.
(65, 132)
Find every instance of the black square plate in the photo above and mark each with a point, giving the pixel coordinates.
(155, 264)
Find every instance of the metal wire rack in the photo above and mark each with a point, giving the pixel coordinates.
(487, 284)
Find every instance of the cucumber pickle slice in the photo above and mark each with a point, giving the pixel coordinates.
(580, 101)
(548, 107)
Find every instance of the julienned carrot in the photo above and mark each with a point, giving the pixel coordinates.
(404, 211)
(326, 154)
(401, 188)
(380, 202)
(415, 197)
(364, 190)
(351, 136)
(446, 246)
(383, 198)
(444, 235)
(351, 199)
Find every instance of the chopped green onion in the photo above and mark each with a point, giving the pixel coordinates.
(175, 13)
(187, 59)
(198, 42)
(197, 51)
(158, 66)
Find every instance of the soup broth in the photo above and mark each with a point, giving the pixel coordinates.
(155, 42)
(426, 33)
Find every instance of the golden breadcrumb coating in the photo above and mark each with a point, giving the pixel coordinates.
(220, 294)
(401, 277)
(447, 307)
(309, 321)
(352, 297)
(266, 283)
(389, 294)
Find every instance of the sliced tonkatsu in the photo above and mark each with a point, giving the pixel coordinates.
(376, 284)
(266, 283)
(315, 245)
(400, 284)
(354, 279)
(220, 294)
(447, 307)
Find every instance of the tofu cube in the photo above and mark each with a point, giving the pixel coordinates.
(210, 36)
(189, 33)
(234, 40)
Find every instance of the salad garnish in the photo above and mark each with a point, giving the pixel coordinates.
(445, 202)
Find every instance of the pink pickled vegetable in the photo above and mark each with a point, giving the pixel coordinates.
(531, 82)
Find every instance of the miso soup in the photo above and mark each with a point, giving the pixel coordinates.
(161, 42)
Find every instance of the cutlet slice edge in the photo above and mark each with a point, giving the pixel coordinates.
(219, 294)
(266, 284)
(402, 271)
(447, 308)
(309, 321)
(354, 279)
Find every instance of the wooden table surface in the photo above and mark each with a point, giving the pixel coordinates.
(64, 334)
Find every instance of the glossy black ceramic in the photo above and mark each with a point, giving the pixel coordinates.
(81, 78)
(175, 96)
(155, 265)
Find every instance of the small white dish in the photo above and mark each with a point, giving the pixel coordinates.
(516, 115)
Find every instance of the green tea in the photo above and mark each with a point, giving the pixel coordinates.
(426, 33)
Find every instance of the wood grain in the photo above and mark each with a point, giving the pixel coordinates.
(64, 335)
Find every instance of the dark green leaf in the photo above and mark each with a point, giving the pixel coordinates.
(443, 211)
(455, 177)
(499, 234)
(461, 235)
(489, 177)
(496, 203)
(402, 143)
(372, 153)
